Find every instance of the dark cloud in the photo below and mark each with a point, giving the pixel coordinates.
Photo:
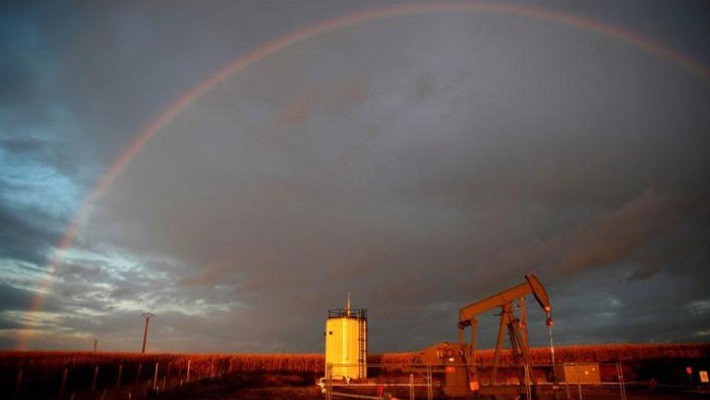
(7, 324)
(12, 298)
(17, 83)
(420, 162)
(607, 240)
(625, 311)
(562, 178)
(211, 275)
(23, 240)
(22, 145)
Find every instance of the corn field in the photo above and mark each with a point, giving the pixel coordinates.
(86, 373)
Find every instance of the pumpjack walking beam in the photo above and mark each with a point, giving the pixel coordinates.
(514, 326)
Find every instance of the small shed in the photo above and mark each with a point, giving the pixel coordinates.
(578, 373)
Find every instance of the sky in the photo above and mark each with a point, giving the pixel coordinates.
(419, 161)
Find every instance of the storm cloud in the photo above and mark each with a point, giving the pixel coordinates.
(419, 162)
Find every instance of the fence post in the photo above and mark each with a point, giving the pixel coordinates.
(187, 378)
(93, 380)
(411, 386)
(155, 378)
(64, 383)
(166, 377)
(620, 373)
(329, 381)
(579, 382)
(430, 388)
(138, 375)
(528, 382)
(18, 384)
(118, 376)
(179, 374)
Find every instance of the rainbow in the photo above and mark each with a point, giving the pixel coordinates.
(321, 28)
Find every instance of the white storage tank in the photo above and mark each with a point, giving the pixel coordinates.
(346, 343)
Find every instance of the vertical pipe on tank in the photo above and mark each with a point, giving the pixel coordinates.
(345, 357)
(363, 346)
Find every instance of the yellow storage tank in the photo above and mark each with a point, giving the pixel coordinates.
(346, 343)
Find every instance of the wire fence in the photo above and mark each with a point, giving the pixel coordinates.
(569, 381)
(138, 379)
(135, 380)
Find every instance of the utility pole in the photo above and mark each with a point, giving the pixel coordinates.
(147, 317)
(96, 342)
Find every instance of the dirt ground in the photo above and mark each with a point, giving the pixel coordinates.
(251, 386)
(291, 386)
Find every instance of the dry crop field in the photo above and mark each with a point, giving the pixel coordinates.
(85, 375)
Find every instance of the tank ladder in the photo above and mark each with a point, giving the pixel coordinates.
(362, 347)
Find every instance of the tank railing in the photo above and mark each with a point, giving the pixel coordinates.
(347, 313)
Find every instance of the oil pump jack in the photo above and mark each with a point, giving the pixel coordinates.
(461, 375)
